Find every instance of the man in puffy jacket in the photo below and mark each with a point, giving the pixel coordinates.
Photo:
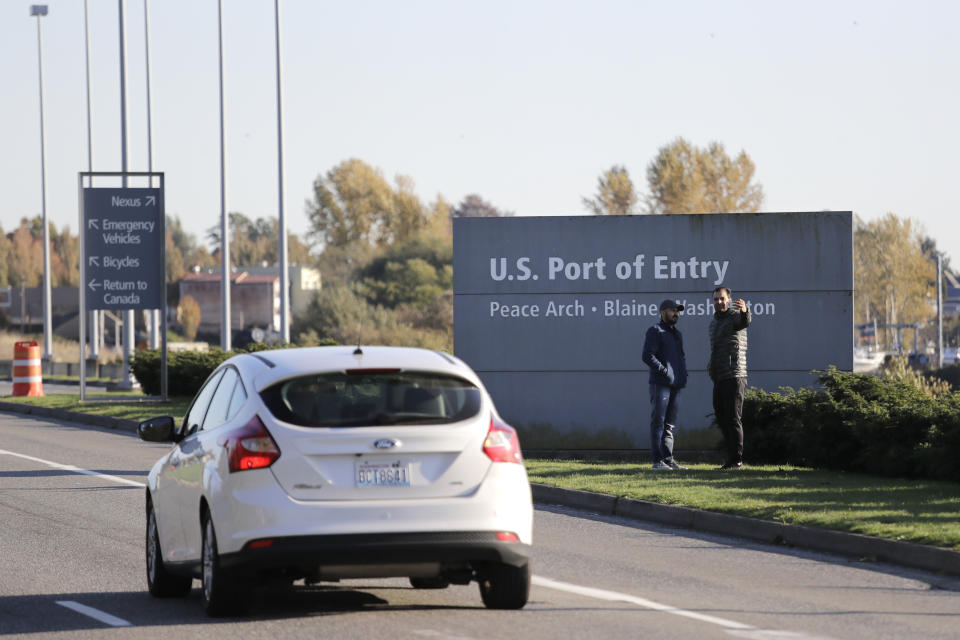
(728, 370)
(663, 353)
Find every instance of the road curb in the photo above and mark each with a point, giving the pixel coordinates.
(853, 545)
(109, 422)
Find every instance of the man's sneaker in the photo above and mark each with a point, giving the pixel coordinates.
(662, 466)
(676, 467)
(732, 466)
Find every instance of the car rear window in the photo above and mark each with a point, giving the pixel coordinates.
(372, 398)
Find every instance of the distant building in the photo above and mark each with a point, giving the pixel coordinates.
(305, 283)
(254, 300)
(951, 301)
(27, 311)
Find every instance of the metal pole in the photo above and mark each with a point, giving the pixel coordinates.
(282, 221)
(154, 313)
(164, 388)
(81, 289)
(40, 10)
(129, 333)
(95, 333)
(225, 337)
(939, 310)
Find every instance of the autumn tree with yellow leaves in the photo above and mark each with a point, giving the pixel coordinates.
(894, 281)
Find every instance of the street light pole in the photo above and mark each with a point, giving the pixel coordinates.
(95, 333)
(154, 313)
(281, 220)
(40, 10)
(225, 337)
(129, 330)
(939, 310)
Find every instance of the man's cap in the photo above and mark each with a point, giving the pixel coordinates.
(671, 304)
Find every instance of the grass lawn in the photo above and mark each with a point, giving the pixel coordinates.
(923, 511)
(131, 405)
(67, 379)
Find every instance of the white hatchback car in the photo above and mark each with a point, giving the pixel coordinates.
(328, 463)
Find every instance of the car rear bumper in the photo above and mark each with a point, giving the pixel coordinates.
(319, 554)
(263, 510)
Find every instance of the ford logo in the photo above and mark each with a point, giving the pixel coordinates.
(386, 443)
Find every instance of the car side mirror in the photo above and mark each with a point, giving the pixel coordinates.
(160, 429)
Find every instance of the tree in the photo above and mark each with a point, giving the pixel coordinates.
(25, 259)
(415, 273)
(175, 267)
(64, 258)
(615, 194)
(64, 255)
(183, 244)
(929, 247)
(189, 315)
(4, 258)
(255, 242)
(407, 215)
(439, 223)
(473, 206)
(893, 280)
(338, 313)
(353, 203)
(348, 204)
(687, 179)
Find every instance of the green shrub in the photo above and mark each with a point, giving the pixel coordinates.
(186, 370)
(857, 422)
(898, 368)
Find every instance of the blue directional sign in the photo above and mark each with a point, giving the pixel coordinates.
(123, 230)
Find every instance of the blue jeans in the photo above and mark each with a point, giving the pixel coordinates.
(664, 405)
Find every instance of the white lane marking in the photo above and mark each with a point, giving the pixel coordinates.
(603, 594)
(773, 634)
(737, 629)
(73, 469)
(96, 614)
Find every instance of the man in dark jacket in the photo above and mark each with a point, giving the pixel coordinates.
(728, 370)
(663, 353)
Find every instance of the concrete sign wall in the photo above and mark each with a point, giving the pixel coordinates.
(552, 312)
(123, 247)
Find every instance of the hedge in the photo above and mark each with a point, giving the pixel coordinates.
(856, 422)
(186, 370)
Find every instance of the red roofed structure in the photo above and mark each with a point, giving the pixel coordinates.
(254, 300)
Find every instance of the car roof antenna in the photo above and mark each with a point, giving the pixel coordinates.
(358, 351)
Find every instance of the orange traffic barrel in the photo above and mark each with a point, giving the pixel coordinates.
(27, 374)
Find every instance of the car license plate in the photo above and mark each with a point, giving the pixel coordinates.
(383, 474)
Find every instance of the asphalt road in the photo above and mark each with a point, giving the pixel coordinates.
(71, 564)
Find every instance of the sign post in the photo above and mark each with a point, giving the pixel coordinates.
(122, 253)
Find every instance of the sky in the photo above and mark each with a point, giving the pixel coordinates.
(842, 105)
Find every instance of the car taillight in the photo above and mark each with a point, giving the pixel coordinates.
(502, 443)
(251, 447)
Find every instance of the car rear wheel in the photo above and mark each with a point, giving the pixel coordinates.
(503, 586)
(160, 582)
(220, 595)
(429, 583)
